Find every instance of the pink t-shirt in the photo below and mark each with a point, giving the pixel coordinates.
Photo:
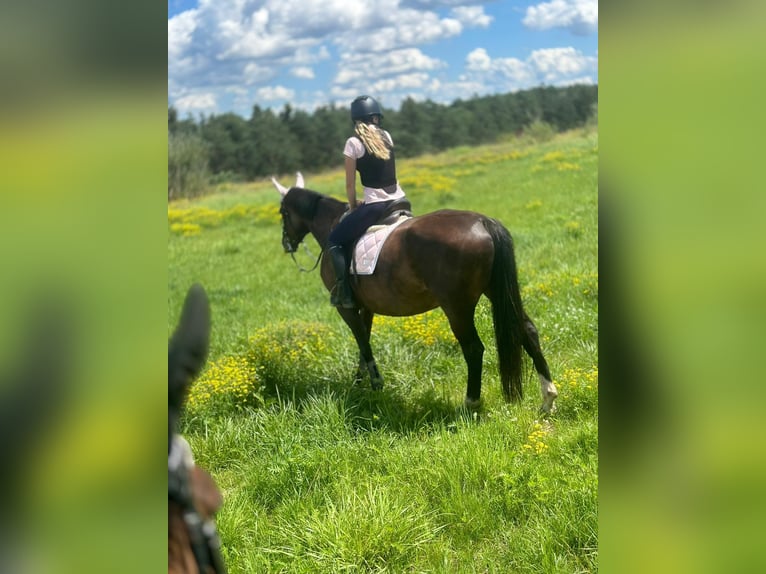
(355, 149)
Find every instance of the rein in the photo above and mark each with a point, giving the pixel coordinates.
(287, 243)
(300, 267)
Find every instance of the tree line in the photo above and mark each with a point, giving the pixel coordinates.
(228, 146)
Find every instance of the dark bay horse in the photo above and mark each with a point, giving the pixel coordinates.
(193, 498)
(446, 259)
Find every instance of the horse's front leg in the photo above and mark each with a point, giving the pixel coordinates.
(360, 323)
(367, 364)
(376, 380)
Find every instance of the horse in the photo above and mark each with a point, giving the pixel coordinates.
(446, 259)
(193, 498)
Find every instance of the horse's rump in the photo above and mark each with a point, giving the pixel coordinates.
(441, 241)
(431, 258)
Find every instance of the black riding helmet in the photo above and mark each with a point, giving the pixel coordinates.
(364, 108)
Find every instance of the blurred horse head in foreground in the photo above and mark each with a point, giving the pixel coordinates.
(193, 498)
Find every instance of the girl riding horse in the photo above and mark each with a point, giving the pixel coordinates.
(371, 153)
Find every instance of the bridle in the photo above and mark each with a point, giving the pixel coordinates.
(205, 543)
(291, 247)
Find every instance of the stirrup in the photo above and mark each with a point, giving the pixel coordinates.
(337, 300)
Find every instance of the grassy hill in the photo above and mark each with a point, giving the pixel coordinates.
(322, 476)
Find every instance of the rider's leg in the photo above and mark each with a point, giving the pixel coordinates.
(341, 295)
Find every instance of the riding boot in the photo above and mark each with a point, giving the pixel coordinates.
(341, 295)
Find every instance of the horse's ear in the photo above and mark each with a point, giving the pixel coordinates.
(299, 179)
(35, 389)
(187, 348)
(280, 188)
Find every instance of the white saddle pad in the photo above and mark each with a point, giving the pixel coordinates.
(367, 249)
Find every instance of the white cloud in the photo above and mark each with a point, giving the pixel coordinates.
(510, 69)
(558, 63)
(180, 30)
(514, 71)
(552, 66)
(403, 28)
(478, 60)
(355, 68)
(575, 81)
(302, 72)
(268, 51)
(385, 89)
(223, 43)
(437, 90)
(196, 102)
(578, 16)
(472, 16)
(253, 73)
(434, 4)
(403, 81)
(272, 93)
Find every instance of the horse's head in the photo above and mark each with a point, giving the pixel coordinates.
(193, 498)
(294, 225)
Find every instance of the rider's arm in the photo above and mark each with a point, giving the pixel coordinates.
(351, 181)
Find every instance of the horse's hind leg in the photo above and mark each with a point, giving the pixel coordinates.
(531, 344)
(462, 324)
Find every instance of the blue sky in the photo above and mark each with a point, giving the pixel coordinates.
(228, 55)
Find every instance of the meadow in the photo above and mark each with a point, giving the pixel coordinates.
(320, 475)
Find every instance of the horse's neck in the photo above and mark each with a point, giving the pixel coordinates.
(327, 215)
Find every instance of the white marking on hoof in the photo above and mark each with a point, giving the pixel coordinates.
(471, 404)
(549, 393)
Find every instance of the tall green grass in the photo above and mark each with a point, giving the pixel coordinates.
(320, 475)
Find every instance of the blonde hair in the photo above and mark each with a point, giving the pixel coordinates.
(373, 139)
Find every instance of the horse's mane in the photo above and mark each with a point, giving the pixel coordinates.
(304, 201)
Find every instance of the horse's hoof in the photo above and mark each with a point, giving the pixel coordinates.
(549, 394)
(472, 405)
(470, 411)
(377, 385)
(547, 409)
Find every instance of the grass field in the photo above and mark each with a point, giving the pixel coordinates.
(322, 476)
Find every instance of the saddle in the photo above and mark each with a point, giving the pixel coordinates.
(398, 208)
(367, 248)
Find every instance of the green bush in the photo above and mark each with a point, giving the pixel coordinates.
(228, 384)
(293, 352)
(539, 132)
(187, 166)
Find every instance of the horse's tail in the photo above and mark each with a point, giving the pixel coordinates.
(507, 311)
